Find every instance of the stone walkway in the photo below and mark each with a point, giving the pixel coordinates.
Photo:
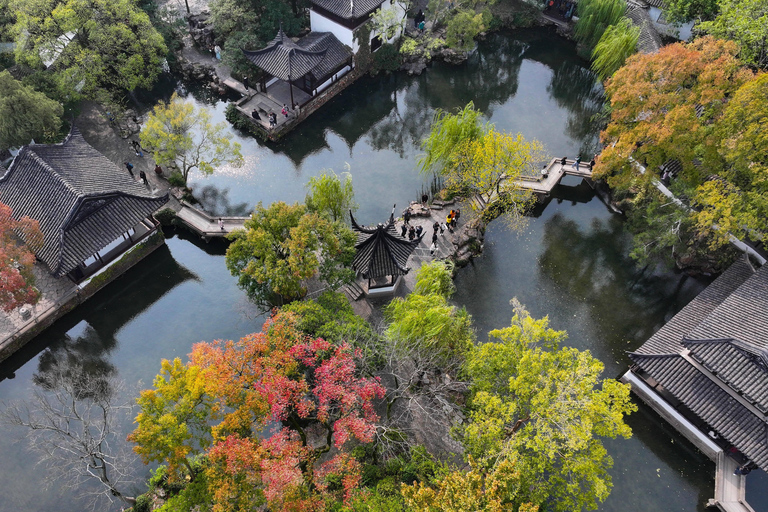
(54, 292)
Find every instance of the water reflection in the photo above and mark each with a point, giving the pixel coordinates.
(591, 264)
(214, 199)
(574, 88)
(80, 356)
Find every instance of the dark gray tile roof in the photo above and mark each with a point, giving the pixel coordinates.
(380, 251)
(81, 199)
(668, 339)
(711, 403)
(349, 9)
(736, 363)
(336, 53)
(285, 59)
(649, 40)
(742, 316)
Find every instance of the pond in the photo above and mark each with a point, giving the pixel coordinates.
(569, 263)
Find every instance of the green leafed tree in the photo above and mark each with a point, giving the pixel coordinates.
(681, 11)
(426, 319)
(180, 134)
(172, 424)
(463, 27)
(617, 43)
(595, 16)
(282, 247)
(546, 408)
(746, 23)
(330, 195)
(96, 44)
(26, 114)
(447, 132)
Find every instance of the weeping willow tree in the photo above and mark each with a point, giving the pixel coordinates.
(594, 17)
(614, 48)
(448, 131)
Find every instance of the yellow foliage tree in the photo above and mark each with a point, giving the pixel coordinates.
(181, 134)
(489, 168)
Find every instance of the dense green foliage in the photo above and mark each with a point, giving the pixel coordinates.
(479, 162)
(26, 114)
(617, 43)
(425, 319)
(98, 45)
(282, 247)
(595, 16)
(447, 132)
(463, 27)
(681, 11)
(330, 195)
(329, 317)
(746, 23)
(544, 408)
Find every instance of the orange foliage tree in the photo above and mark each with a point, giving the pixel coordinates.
(17, 282)
(667, 107)
(286, 408)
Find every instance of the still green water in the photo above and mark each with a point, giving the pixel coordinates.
(569, 263)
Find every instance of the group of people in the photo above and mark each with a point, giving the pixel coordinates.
(565, 8)
(414, 232)
(142, 174)
(272, 117)
(419, 20)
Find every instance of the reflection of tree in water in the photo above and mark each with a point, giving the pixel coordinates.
(403, 128)
(489, 76)
(594, 265)
(576, 89)
(77, 359)
(216, 202)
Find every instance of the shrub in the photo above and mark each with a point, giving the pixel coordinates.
(176, 179)
(143, 503)
(166, 216)
(386, 59)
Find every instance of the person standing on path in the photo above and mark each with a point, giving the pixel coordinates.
(137, 148)
(411, 233)
(129, 166)
(419, 231)
(437, 226)
(158, 170)
(143, 177)
(456, 217)
(577, 162)
(245, 82)
(403, 230)
(432, 248)
(221, 224)
(434, 237)
(407, 216)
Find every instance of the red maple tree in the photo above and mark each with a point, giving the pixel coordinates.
(17, 282)
(312, 389)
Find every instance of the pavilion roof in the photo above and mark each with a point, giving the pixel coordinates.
(81, 199)
(285, 59)
(349, 9)
(713, 357)
(380, 251)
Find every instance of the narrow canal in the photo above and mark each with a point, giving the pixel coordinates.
(569, 263)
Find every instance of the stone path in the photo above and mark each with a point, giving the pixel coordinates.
(54, 290)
